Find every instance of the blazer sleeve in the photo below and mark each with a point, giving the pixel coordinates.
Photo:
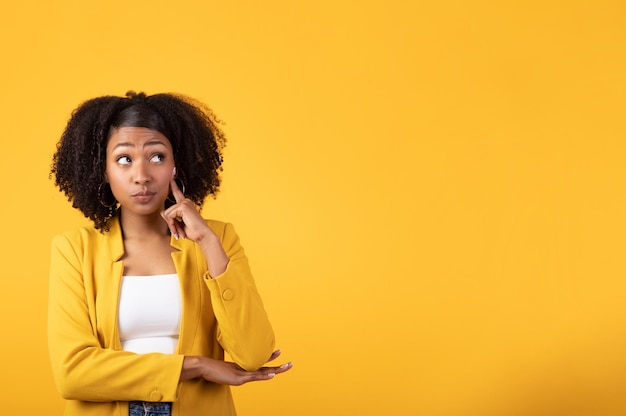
(244, 330)
(82, 368)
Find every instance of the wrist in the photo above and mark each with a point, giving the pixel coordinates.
(192, 367)
(216, 257)
(208, 240)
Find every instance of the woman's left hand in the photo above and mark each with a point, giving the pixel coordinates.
(183, 219)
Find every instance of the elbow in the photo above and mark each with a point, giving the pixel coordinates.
(72, 384)
(251, 363)
(72, 388)
(68, 394)
(256, 357)
(68, 388)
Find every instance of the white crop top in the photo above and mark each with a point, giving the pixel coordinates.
(149, 313)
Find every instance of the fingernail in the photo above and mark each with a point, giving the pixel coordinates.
(270, 375)
(174, 171)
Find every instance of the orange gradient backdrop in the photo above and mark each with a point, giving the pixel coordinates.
(431, 193)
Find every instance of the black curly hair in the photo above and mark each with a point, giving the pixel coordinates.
(79, 162)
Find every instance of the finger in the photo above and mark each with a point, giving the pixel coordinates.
(274, 355)
(252, 378)
(180, 229)
(175, 226)
(278, 369)
(285, 367)
(265, 373)
(178, 194)
(170, 224)
(260, 375)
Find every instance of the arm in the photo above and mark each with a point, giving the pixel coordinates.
(83, 369)
(244, 330)
(223, 372)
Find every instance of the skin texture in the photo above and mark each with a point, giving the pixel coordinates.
(139, 166)
(223, 372)
(140, 171)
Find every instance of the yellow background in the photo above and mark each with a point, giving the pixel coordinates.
(431, 193)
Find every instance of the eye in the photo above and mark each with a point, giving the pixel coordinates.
(157, 158)
(123, 160)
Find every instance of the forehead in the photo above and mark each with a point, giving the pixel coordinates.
(136, 137)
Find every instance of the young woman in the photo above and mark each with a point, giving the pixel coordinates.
(144, 303)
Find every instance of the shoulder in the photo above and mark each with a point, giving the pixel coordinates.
(79, 236)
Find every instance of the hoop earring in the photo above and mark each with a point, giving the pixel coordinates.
(173, 200)
(101, 199)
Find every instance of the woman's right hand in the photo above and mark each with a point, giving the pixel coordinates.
(224, 372)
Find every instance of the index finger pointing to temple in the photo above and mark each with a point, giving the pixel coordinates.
(178, 195)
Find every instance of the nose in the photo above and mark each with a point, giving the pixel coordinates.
(141, 174)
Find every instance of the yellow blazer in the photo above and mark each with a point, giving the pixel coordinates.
(89, 367)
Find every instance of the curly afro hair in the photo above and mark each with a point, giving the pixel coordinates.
(79, 163)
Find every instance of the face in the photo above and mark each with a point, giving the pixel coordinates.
(139, 167)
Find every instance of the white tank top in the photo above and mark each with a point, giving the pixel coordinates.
(149, 313)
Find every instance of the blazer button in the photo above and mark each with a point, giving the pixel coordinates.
(155, 396)
(228, 294)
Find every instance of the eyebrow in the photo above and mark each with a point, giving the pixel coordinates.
(150, 143)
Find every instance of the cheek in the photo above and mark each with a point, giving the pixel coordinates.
(114, 177)
(166, 177)
(110, 167)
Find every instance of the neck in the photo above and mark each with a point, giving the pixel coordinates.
(135, 226)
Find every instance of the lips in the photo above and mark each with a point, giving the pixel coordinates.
(144, 196)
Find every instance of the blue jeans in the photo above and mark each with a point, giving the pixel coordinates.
(149, 409)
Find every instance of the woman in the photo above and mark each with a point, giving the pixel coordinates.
(144, 303)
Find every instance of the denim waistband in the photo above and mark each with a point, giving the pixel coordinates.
(149, 409)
